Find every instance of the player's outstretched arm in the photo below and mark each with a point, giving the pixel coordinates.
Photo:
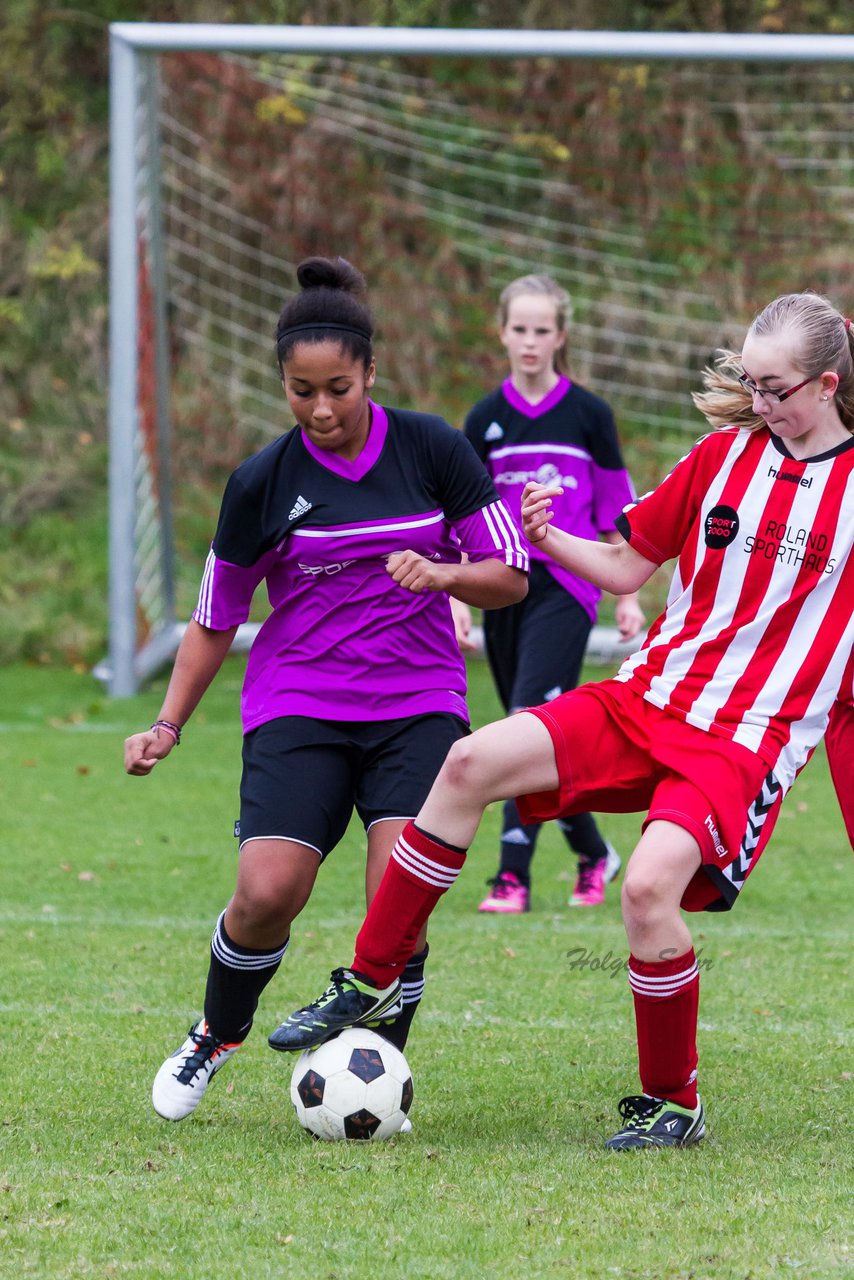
(612, 567)
(628, 614)
(486, 584)
(200, 655)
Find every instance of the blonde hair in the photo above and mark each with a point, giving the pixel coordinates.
(545, 287)
(820, 339)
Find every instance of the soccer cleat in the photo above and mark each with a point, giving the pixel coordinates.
(655, 1122)
(180, 1084)
(349, 1001)
(589, 888)
(508, 896)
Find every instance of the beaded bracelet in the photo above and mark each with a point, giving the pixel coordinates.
(174, 729)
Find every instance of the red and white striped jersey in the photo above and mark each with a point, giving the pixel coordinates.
(759, 622)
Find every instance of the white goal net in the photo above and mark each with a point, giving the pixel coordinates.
(672, 189)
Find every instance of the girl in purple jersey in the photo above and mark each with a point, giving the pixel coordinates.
(362, 521)
(539, 425)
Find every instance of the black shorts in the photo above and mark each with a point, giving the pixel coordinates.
(536, 647)
(302, 777)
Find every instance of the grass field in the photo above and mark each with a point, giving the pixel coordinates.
(111, 886)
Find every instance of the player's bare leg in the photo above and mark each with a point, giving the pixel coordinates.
(511, 757)
(664, 978)
(660, 869)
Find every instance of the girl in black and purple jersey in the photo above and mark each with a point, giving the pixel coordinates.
(539, 425)
(362, 521)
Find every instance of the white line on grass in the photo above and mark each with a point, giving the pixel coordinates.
(49, 914)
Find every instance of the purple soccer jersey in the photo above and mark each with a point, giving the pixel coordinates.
(343, 641)
(569, 439)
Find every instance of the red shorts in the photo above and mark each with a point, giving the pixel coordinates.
(617, 753)
(839, 741)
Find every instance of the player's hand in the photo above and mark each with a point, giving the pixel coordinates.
(412, 571)
(461, 614)
(536, 509)
(143, 750)
(629, 617)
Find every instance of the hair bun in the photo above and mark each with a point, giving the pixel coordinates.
(330, 273)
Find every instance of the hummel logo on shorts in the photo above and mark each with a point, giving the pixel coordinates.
(300, 507)
(494, 432)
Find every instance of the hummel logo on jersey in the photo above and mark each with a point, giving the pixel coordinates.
(300, 507)
(494, 432)
(805, 482)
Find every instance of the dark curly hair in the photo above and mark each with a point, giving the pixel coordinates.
(331, 307)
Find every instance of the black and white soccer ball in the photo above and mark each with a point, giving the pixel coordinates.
(356, 1085)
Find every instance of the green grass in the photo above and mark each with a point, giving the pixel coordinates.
(110, 889)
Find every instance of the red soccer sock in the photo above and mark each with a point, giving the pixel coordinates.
(420, 869)
(667, 996)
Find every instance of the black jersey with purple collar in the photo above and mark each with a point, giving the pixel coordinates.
(568, 438)
(343, 640)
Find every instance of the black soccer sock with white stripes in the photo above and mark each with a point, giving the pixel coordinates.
(412, 983)
(236, 978)
(584, 838)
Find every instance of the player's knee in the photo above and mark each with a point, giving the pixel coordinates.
(259, 909)
(644, 896)
(464, 769)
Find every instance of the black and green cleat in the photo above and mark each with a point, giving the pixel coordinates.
(349, 1001)
(655, 1122)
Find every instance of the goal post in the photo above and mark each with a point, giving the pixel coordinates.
(194, 281)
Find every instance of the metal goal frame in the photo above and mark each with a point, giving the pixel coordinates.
(133, 50)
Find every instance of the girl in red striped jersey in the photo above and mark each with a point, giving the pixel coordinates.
(707, 725)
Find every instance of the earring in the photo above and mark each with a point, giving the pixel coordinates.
(824, 397)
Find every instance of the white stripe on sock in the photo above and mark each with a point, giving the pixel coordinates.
(425, 869)
(665, 986)
(239, 959)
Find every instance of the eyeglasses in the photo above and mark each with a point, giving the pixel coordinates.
(772, 396)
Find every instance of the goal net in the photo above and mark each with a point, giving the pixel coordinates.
(672, 197)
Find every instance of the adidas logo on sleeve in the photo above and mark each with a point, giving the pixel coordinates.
(300, 508)
(494, 432)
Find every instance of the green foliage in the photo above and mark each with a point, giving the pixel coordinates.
(53, 241)
(105, 939)
(53, 563)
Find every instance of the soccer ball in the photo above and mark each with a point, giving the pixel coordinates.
(356, 1085)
